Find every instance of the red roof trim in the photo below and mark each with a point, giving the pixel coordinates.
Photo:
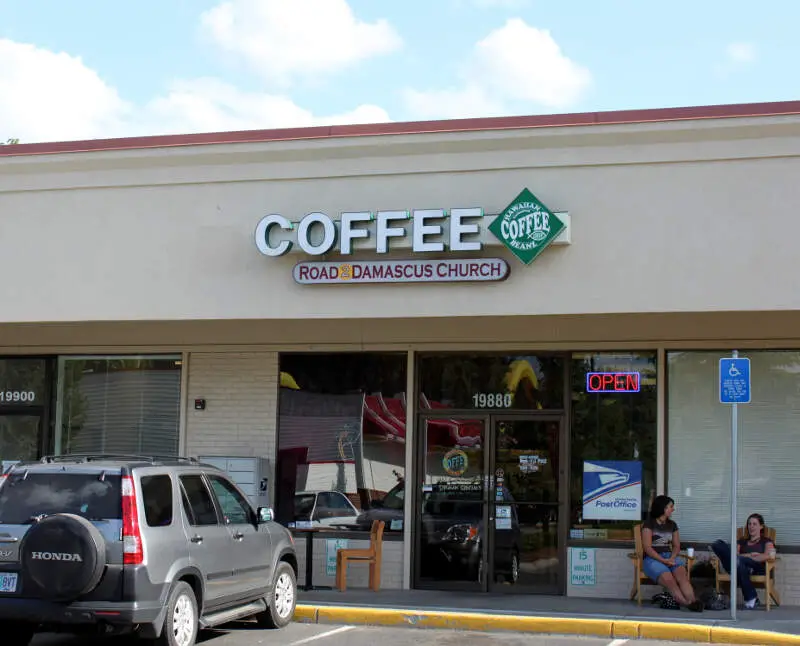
(411, 127)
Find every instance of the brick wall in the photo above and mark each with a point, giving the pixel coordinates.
(357, 573)
(241, 391)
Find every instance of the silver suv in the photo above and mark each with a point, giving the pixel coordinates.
(157, 547)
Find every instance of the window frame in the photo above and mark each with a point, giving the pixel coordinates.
(212, 496)
(785, 548)
(250, 513)
(402, 358)
(569, 416)
(564, 355)
(59, 437)
(150, 476)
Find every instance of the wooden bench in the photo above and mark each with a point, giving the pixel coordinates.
(372, 555)
(764, 581)
(639, 576)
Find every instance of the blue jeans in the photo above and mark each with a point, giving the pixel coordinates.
(745, 567)
(654, 569)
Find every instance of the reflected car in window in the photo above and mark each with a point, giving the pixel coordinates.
(331, 508)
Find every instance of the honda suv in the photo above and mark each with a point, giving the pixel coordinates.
(157, 547)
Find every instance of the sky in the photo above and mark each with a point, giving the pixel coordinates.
(88, 69)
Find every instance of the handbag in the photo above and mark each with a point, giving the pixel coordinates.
(713, 600)
(665, 601)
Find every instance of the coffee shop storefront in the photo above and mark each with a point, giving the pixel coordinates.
(498, 336)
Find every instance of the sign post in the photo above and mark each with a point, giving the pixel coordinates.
(734, 389)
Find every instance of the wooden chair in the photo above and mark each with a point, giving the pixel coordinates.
(764, 581)
(372, 555)
(639, 576)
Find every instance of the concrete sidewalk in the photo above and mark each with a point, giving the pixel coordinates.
(610, 618)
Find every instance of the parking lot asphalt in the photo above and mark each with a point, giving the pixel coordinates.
(299, 634)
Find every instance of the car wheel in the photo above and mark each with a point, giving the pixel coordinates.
(181, 624)
(282, 600)
(16, 634)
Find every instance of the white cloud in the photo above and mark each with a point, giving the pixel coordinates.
(741, 52)
(204, 105)
(515, 67)
(451, 103)
(283, 39)
(45, 96)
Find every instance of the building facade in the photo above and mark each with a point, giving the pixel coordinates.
(500, 336)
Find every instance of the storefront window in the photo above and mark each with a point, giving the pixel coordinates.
(699, 445)
(124, 404)
(613, 443)
(341, 440)
(23, 383)
(24, 398)
(487, 381)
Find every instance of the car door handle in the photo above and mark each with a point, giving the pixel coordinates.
(238, 535)
(196, 539)
(12, 539)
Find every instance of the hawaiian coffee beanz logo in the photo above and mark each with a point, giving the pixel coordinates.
(526, 227)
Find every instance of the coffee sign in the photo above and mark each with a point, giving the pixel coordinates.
(526, 227)
(427, 228)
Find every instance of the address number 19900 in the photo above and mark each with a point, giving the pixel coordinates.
(16, 396)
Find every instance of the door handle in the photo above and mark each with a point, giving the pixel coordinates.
(12, 539)
(238, 536)
(196, 539)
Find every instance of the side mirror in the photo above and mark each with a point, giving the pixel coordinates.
(265, 515)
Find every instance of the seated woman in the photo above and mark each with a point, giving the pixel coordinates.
(661, 543)
(752, 552)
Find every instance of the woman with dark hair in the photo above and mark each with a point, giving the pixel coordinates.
(752, 552)
(661, 543)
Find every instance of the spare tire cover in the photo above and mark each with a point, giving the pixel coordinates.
(63, 557)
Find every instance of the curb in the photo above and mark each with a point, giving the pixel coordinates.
(610, 628)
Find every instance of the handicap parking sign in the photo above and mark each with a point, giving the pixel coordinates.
(734, 380)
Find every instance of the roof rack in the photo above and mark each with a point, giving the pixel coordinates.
(100, 457)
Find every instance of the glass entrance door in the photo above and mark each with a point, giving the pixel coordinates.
(488, 504)
(524, 508)
(452, 505)
(20, 438)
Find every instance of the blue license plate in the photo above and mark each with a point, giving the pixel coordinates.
(8, 582)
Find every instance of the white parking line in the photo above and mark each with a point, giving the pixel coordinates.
(618, 642)
(329, 633)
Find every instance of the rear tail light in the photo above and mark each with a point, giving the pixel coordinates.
(132, 551)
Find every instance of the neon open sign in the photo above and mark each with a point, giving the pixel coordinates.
(613, 382)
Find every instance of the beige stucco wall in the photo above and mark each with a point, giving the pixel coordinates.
(666, 217)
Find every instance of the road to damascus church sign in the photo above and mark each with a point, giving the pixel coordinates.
(526, 227)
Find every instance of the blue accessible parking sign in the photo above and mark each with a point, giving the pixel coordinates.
(734, 381)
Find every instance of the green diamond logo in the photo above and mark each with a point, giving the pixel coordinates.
(526, 227)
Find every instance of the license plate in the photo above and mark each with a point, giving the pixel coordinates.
(8, 582)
